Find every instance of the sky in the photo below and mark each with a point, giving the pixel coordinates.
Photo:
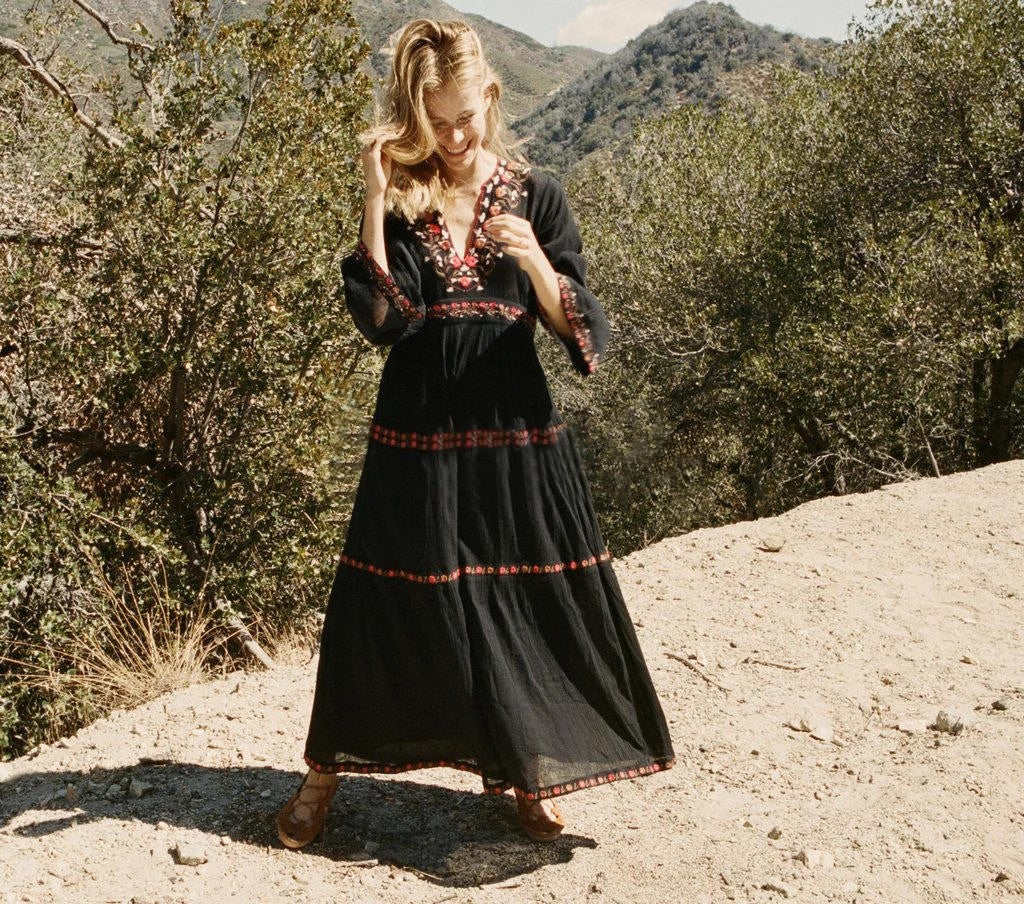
(608, 24)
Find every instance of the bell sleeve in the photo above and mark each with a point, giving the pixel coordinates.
(559, 236)
(385, 306)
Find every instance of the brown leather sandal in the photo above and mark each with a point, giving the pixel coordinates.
(535, 822)
(297, 833)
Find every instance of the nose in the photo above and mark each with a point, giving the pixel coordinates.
(457, 136)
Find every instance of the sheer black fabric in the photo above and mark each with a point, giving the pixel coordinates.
(475, 620)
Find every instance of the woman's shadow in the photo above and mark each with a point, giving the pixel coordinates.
(452, 838)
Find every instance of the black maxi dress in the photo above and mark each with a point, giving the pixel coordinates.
(475, 620)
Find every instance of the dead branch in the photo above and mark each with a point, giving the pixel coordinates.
(108, 27)
(693, 667)
(55, 86)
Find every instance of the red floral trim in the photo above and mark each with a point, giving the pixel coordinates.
(471, 570)
(570, 304)
(479, 309)
(501, 193)
(386, 285)
(461, 439)
(590, 781)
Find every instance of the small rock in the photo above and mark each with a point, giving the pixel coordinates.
(1000, 706)
(265, 793)
(185, 854)
(225, 840)
(747, 824)
(799, 724)
(113, 791)
(775, 834)
(816, 860)
(912, 726)
(371, 847)
(772, 544)
(776, 887)
(968, 660)
(1001, 877)
(360, 855)
(161, 825)
(947, 723)
(822, 730)
(137, 788)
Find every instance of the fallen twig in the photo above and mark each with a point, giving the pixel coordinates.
(774, 665)
(693, 667)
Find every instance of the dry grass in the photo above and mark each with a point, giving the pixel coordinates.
(144, 646)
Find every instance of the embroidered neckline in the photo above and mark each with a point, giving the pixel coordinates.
(500, 193)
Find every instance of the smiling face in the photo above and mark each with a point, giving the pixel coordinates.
(458, 117)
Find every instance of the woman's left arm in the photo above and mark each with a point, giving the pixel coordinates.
(552, 257)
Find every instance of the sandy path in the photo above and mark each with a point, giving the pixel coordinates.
(878, 611)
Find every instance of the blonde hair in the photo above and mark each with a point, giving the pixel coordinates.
(428, 54)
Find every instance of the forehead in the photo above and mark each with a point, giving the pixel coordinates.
(451, 100)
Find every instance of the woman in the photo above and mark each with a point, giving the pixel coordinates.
(475, 620)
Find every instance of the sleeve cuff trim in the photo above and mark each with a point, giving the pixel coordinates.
(570, 305)
(386, 285)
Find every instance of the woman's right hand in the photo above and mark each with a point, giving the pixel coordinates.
(376, 168)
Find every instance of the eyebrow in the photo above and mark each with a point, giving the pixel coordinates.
(434, 118)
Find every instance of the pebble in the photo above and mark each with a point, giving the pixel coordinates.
(947, 723)
(912, 726)
(775, 834)
(186, 854)
(776, 887)
(1000, 705)
(816, 860)
(137, 788)
(113, 791)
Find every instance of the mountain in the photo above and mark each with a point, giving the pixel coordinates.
(529, 70)
(700, 54)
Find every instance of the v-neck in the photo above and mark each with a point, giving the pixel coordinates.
(476, 221)
(501, 192)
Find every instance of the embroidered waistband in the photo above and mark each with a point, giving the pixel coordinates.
(478, 310)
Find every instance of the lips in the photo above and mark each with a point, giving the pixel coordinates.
(458, 153)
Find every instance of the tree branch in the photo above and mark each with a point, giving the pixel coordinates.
(108, 27)
(53, 84)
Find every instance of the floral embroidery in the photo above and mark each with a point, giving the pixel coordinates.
(479, 309)
(541, 436)
(466, 570)
(497, 786)
(581, 332)
(501, 193)
(386, 285)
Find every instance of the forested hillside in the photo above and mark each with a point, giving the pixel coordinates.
(529, 70)
(701, 54)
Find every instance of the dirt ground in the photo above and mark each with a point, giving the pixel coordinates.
(889, 624)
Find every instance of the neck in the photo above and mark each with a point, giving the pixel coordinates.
(485, 162)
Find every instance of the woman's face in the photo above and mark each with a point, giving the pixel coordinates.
(458, 117)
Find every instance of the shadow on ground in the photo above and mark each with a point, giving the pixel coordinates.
(453, 838)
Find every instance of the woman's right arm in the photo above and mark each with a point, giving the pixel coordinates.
(376, 173)
(381, 308)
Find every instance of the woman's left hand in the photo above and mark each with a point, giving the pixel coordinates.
(515, 237)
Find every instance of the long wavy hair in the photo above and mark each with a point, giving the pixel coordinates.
(426, 55)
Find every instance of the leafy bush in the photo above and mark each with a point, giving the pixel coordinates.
(820, 292)
(182, 385)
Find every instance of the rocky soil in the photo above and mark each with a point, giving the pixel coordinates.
(845, 686)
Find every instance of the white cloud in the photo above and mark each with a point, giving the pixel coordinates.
(608, 24)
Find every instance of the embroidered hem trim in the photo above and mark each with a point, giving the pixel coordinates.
(479, 309)
(386, 285)
(455, 439)
(570, 304)
(600, 778)
(472, 570)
